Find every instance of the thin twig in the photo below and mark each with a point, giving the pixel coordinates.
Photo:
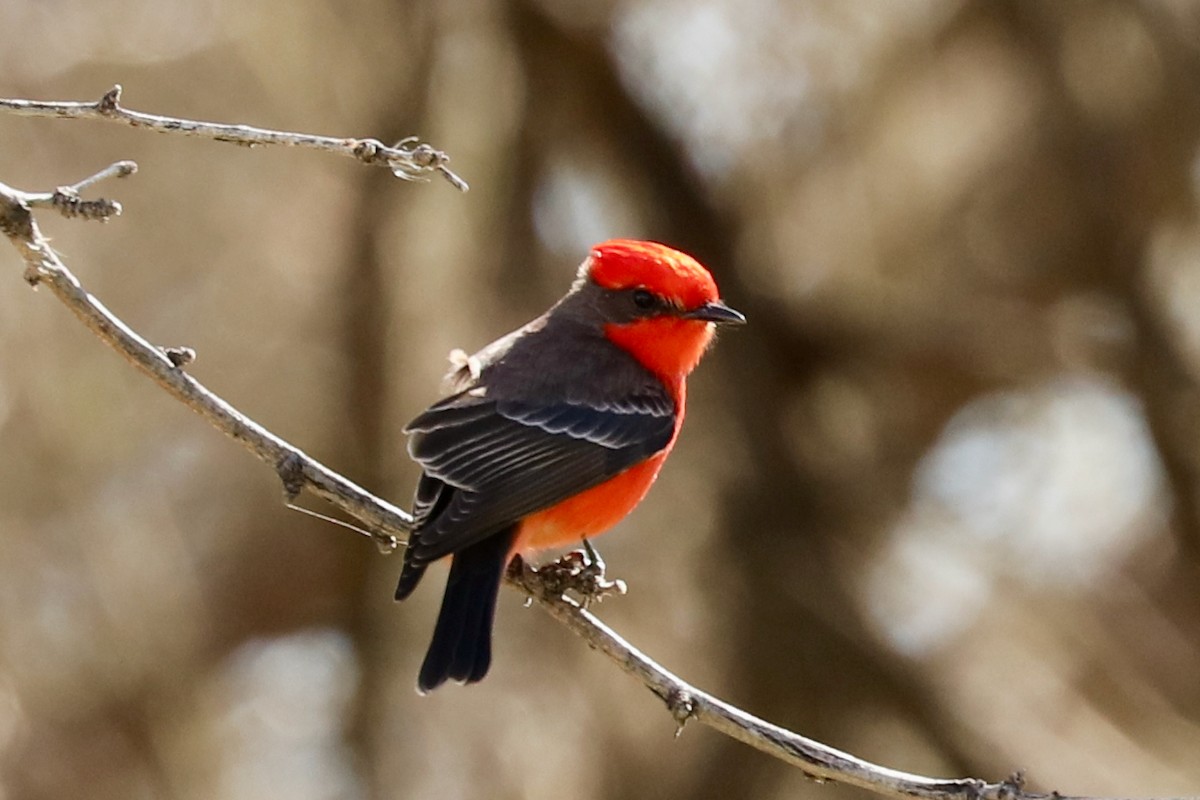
(389, 525)
(409, 159)
(66, 200)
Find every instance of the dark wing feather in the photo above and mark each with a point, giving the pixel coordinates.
(490, 462)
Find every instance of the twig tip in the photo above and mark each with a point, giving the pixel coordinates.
(291, 473)
(455, 181)
(179, 356)
(111, 100)
(386, 543)
(682, 706)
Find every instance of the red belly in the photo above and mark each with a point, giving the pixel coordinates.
(588, 513)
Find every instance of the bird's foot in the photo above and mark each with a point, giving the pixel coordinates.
(580, 572)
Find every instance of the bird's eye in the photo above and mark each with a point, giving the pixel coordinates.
(644, 299)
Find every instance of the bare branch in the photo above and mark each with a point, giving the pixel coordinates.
(409, 159)
(297, 470)
(685, 702)
(389, 525)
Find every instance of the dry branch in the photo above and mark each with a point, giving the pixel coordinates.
(408, 160)
(389, 524)
(297, 471)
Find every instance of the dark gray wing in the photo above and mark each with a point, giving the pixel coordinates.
(491, 462)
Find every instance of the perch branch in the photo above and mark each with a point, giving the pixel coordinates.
(298, 471)
(818, 761)
(408, 159)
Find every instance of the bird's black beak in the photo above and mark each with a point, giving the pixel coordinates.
(717, 312)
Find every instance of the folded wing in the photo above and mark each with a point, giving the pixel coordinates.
(491, 462)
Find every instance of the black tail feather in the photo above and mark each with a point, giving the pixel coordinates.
(462, 638)
(410, 576)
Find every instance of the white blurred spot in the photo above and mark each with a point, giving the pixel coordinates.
(573, 208)
(728, 75)
(707, 67)
(285, 703)
(916, 592)
(1051, 486)
(1060, 475)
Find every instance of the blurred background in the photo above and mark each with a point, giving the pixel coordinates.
(938, 504)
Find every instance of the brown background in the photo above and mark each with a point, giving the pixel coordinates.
(936, 505)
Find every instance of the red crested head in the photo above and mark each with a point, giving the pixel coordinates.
(662, 307)
(628, 263)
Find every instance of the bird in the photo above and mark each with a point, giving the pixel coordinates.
(552, 434)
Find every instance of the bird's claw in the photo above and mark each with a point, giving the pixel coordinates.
(580, 572)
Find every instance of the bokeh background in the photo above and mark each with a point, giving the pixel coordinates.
(938, 504)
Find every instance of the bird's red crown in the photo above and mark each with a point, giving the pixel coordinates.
(628, 263)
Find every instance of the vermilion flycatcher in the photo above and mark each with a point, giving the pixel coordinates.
(554, 433)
